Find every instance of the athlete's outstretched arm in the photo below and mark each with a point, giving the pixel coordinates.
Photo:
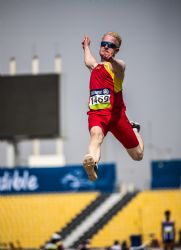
(89, 59)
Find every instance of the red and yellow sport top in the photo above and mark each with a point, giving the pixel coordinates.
(105, 89)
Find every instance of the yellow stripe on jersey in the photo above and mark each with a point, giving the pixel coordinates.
(100, 106)
(116, 80)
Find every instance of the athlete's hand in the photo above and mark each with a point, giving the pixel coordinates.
(86, 42)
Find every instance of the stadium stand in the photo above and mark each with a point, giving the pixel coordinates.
(106, 217)
(83, 214)
(31, 219)
(142, 216)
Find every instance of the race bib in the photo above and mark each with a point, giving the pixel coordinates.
(99, 99)
(168, 229)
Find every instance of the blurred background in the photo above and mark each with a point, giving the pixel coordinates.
(42, 74)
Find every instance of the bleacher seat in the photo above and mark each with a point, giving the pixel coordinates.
(142, 216)
(32, 219)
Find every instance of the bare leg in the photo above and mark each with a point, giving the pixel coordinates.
(94, 152)
(96, 139)
(138, 136)
(137, 152)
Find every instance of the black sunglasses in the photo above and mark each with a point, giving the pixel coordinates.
(108, 44)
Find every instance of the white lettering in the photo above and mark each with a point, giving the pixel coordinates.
(15, 182)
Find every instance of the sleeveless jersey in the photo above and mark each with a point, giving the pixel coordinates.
(168, 230)
(105, 89)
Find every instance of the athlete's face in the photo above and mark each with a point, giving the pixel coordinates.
(109, 49)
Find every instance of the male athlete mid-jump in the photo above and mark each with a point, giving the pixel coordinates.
(107, 111)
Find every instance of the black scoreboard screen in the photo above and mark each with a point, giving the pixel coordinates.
(29, 106)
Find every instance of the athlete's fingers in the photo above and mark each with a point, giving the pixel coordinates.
(88, 40)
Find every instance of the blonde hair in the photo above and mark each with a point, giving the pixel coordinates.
(115, 35)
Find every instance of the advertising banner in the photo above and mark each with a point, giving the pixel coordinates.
(55, 179)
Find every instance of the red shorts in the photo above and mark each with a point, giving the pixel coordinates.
(117, 123)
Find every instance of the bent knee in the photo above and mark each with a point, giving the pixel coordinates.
(97, 134)
(136, 154)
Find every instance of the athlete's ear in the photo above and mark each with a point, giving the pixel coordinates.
(116, 50)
